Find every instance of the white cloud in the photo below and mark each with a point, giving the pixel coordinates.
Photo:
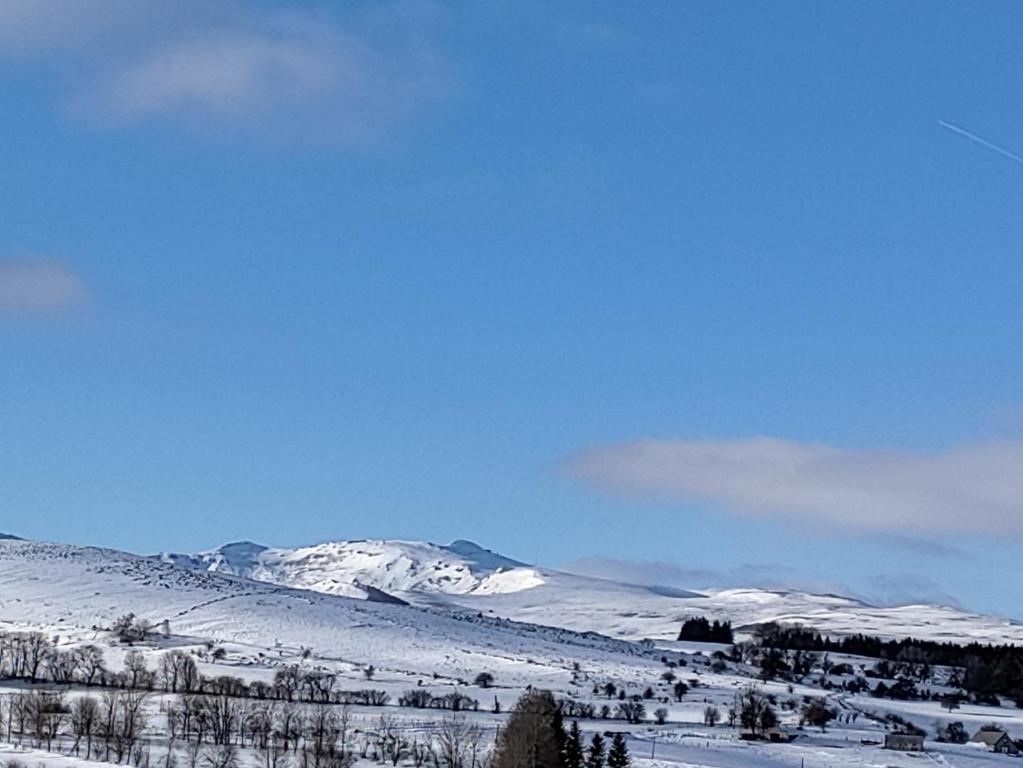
(975, 488)
(236, 68)
(34, 30)
(34, 286)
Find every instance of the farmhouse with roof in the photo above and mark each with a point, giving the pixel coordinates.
(995, 739)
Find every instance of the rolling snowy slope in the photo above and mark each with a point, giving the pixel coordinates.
(78, 590)
(73, 593)
(465, 576)
(618, 612)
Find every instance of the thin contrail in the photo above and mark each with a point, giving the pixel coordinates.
(979, 140)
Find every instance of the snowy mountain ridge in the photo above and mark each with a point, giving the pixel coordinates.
(350, 567)
(463, 576)
(239, 629)
(77, 590)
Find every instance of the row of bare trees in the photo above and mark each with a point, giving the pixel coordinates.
(34, 657)
(420, 698)
(213, 730)
(107, 727)
(23, 654)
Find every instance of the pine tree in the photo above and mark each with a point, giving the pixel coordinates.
(560, 737)
(618, 755)
(533, 737)
(595, 757)
(573, 747)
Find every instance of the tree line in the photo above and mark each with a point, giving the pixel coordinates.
(34, 657)
(212, 730)
(986, 669)
(699, 630)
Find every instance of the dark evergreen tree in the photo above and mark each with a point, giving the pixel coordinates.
(533, 737)
(699, 630)
(558, 728)
(772, 664)
(595, 755)
(573, 757)
(618, 755)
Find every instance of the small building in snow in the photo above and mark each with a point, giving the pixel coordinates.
(778, 735)
(904, 742)
(995, 739)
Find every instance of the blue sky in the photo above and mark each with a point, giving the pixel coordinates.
(693, 292)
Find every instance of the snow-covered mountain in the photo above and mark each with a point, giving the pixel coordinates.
(236, 627)
(355, 568)
(466, 577)
(73, 592)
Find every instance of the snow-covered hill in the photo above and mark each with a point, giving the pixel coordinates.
(73, 590)
(465, 576)
(242, 627)
(350, 567)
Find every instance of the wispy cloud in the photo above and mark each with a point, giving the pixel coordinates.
(645, 572)
(36, 286)
(660, 573)
(980, 140)
(913, 545)
(975, 488)
(882, 589)
(906, 589)
(236, 68)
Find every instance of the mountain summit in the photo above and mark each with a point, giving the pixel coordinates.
(349, 568)
(466, 577)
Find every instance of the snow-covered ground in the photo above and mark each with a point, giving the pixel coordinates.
(464, 575)
(74, 593)
(71, 590)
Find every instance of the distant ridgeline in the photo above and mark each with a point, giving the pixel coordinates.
(698, 630)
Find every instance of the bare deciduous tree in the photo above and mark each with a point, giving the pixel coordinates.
(457, 743)
(84, 712)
